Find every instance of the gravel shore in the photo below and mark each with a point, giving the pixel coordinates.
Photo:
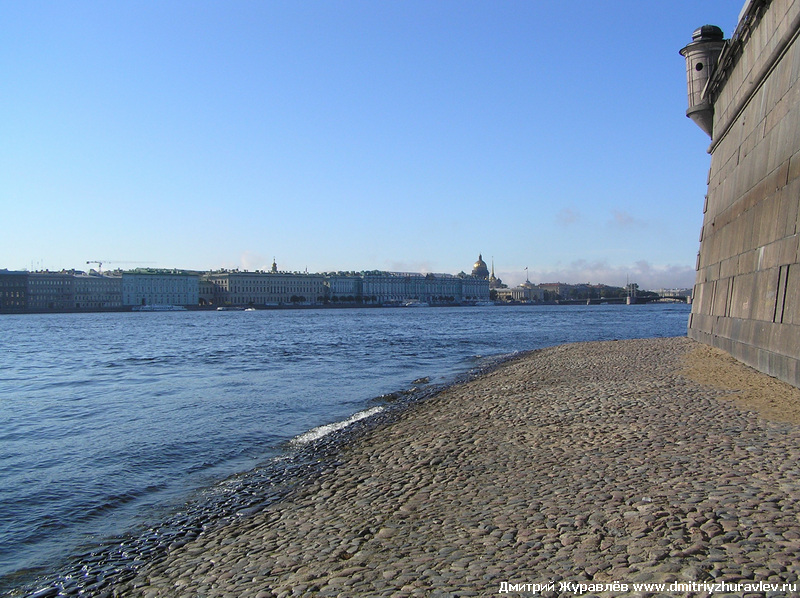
(591, 463)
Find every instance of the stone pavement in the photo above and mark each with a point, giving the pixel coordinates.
(587, 463)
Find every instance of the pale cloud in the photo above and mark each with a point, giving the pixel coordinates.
(646, 275)
(567, 216)
(621, 219)
(402, 266)
(252, 261)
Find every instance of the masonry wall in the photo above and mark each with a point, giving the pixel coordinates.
(747, 290)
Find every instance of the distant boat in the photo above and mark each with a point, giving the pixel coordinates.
(415, 303)
(250, 309)
(230, 309)
(485, 304)
(159, 308)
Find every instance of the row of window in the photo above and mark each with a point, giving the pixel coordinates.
(160, 298)
(275, 290)
(49, 283)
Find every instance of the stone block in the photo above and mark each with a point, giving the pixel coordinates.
(750, 141)
(765, 363)
(700, 335)
(779, 366)
(776, 117)
(745, 353)
(780, 176)
(748, 262)
(784, 340)
(729, 267)
(766, 215)
(789, 206)
(727, 327)
(749, 230)
(747, 175)
(730, 242)
(791, 303)
(765, 292)
(702, 293)
(759, 158)
(726, 344)
(794, 167)
(741, 304)
(721, 292)
(702, 323)
(749, 332)
(792, 371)
(787, 131)
(779, 253)
(708, 273)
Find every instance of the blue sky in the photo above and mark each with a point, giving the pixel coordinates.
(350, 135)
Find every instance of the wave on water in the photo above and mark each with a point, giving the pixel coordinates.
(320, 431)
(189, 410)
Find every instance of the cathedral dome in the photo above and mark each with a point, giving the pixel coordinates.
(479, 269)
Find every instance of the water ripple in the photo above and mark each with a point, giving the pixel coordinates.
(111, 421)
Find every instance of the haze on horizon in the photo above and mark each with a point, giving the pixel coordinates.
(355, 135)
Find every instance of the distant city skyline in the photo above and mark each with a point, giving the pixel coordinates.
(398, 136)
(518, 279)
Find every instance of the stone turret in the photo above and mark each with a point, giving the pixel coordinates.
(746, 297)
(701, 56)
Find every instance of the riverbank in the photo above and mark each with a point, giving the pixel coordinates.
(317, 306)
(586, 463)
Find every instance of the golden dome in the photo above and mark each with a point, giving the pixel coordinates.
(479, 269)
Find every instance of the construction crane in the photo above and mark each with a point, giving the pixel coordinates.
(101, 262)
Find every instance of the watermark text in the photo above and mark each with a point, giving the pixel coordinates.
(578, 588)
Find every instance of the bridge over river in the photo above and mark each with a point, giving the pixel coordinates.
(637, 300)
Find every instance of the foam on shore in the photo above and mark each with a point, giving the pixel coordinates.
(320, 431)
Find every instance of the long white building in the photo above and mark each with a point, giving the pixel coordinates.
(236, 288)
(398, 287)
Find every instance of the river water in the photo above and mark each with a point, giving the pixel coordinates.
(110, 422)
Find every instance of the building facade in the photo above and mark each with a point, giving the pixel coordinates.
(13, 290)
(96, 291)
(234, 288)
(390, 288)
(747, 289)
(527, 292)
(51, 291)
(474, 289)
(343, 287)
(160, 288)
(554, 290)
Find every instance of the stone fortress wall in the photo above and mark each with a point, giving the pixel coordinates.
(747, 290)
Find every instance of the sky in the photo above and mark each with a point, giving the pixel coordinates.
(411, 135)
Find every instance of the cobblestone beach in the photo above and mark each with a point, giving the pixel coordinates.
(630, 461)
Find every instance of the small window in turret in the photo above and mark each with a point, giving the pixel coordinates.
(698, 66)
